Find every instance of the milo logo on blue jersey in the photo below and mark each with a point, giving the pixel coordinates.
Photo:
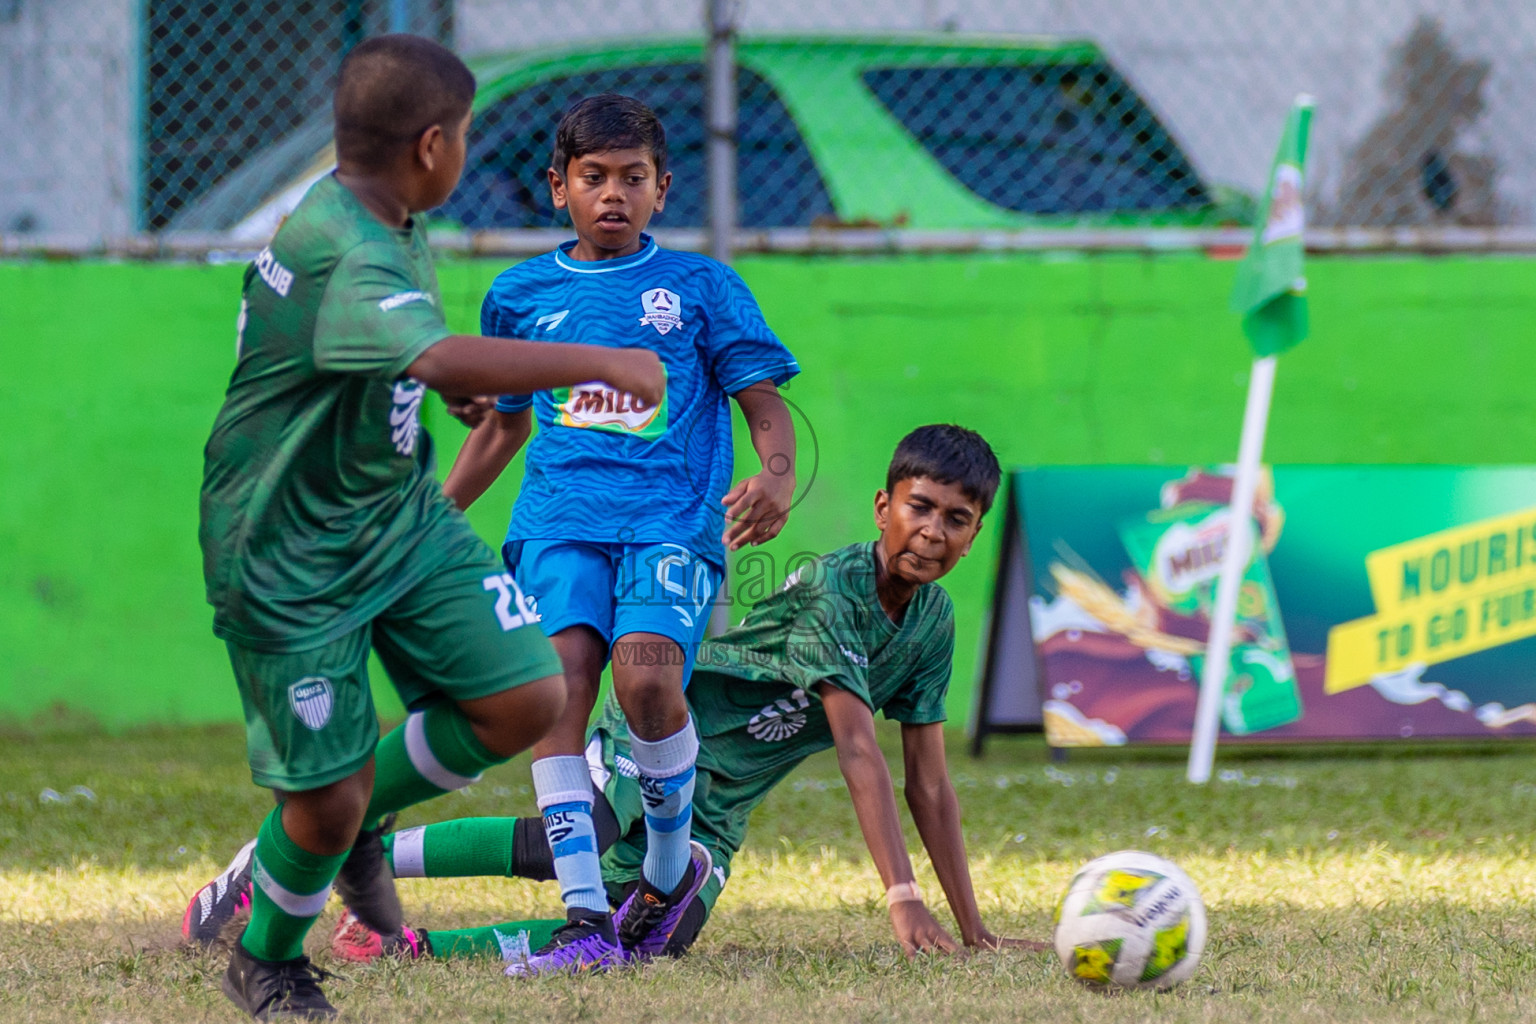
(596, 405)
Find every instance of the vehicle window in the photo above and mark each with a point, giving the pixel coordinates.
(223, 82)
(1043, 138)
(504, 183)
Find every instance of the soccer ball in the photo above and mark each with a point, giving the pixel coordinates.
(1130, 919)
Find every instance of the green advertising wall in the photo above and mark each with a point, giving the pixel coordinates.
(114, 372)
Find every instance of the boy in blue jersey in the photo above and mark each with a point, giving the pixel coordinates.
(617, 530)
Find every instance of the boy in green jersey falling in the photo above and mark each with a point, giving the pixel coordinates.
(325, 533)
(863, 629)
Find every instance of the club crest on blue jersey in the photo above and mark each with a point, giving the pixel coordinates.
(662, 309)
(312, 700)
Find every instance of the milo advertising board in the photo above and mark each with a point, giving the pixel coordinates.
(1380, 602)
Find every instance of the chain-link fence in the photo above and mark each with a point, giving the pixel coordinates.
(962, 122)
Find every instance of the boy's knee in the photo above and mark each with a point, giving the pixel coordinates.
(583, 653)
(511, 721)
(325, 821)
(329, 836)
(652, 699)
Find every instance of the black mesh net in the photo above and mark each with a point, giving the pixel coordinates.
(505, 181)
(1043, 138)
(226, 80)
(193, 115)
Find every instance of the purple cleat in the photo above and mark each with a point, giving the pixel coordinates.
(585, 943)
(649, 916)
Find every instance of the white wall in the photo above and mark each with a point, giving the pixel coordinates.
(68, 111)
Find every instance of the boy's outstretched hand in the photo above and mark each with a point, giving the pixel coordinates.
(757, 508)
(918, 932)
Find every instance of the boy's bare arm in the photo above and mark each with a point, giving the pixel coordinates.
(936, 811)
(466, 364)
(485, 454)
(757, 507)
(874, 801)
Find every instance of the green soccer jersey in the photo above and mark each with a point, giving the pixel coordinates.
(754, 698)
(320, 504)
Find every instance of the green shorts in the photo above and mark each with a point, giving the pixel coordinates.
(456, 635)
(614, 772)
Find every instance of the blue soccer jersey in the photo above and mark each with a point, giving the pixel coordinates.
(605, 466)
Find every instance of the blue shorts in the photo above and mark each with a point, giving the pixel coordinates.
(619, 589)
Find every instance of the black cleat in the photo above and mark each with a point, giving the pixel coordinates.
(367, 886)
(268, 989)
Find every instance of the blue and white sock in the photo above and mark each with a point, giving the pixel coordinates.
(564, 792)
(666, 786)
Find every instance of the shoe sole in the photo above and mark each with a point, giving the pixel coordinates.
(186, 920)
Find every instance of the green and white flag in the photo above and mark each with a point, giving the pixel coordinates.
(1271, 289)
(1271, 293)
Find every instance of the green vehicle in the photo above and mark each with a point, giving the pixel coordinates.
(921, 131)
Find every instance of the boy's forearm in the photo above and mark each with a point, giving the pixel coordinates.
(869, 782)
(771, 428)
(936, 812)
(874, 802)
(937, 816)
(757, 507)
(485, 455)
(466, 364)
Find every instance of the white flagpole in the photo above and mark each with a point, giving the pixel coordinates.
(1234, 562)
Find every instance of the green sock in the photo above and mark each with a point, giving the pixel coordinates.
(290, 887)
(462, 848)
(513, 940)
(431, 753)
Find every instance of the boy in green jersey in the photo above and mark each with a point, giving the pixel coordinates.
(325, 533)
(863, 629)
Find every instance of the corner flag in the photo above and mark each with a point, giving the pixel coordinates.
(1271, 288)
(1270, 292)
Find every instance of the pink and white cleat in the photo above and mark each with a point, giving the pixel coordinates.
(219, 902)
(356, 943)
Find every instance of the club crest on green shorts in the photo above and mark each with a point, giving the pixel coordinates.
(312, 700)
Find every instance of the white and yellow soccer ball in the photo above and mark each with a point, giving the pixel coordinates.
(1130, 919)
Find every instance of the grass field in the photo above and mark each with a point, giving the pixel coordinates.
(1375, 885)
